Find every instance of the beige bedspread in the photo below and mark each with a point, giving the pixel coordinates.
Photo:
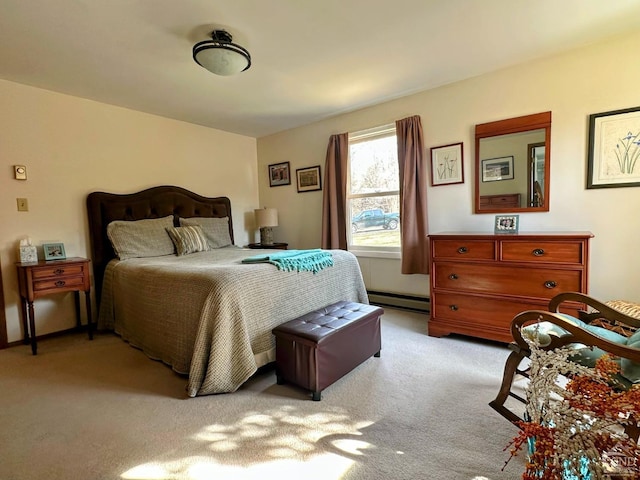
(210, 316)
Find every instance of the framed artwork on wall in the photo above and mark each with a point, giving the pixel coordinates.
(308, 179)
(447, 165)
(496, 169)
(279, 174)
(614, 149)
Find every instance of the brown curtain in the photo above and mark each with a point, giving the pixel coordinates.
(413, 196)
(334, 200)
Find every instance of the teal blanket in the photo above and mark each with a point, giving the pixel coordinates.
(296, 260)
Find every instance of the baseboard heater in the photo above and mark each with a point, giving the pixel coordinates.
(409, 302)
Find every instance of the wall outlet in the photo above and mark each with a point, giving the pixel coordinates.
(23, 204)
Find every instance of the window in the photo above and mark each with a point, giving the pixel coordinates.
(373, 193)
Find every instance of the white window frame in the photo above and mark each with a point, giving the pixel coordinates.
(368, 250)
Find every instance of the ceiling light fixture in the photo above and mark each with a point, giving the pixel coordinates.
(220, 56)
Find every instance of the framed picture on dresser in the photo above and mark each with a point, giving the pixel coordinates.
(506, 224)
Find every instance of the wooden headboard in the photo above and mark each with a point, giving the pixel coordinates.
(155, 202)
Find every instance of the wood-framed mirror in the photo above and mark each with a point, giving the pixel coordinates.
(513, 164)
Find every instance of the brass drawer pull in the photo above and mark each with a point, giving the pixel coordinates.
(538, 252)
(462, 250)
(453, 308)
(550, 284)
(453, 276)
(60, 283)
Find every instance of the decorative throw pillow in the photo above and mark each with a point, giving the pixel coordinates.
(216, 230)
(141, 238)
(188, 239)
(631, 370)
(542, 332)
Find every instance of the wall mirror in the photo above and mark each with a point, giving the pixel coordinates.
(513, 164)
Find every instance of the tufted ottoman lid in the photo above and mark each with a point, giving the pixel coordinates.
(324, 322)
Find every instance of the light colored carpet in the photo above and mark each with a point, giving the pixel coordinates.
(102, 410)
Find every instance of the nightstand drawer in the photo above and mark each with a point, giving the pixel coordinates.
(61, 282)
(57, 271)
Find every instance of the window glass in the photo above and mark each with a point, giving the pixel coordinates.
(373, 202)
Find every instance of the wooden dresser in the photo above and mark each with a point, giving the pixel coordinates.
(479, 282)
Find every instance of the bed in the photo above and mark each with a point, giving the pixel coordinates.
(204, 313)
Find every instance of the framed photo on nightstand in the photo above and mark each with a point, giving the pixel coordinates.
(54, 251)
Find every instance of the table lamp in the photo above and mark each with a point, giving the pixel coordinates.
(266, 219)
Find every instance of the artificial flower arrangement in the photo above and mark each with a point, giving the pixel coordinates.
(581, 423)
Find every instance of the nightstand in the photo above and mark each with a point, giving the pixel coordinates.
(41, 278)
(273, 246)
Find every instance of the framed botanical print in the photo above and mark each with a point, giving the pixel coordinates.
(614, 149)
(447, 165)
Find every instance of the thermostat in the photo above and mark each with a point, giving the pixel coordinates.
(20, 172)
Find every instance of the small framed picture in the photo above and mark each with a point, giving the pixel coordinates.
(496, 169)
(447, 166)
(279, 174)
(308, 179)
(506, 224)
(54, 251)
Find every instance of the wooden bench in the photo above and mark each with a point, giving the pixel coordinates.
(317, 349)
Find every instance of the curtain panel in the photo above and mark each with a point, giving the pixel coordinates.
(334, 199)
(413, 196)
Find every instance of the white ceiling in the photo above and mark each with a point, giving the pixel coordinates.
(311, 59)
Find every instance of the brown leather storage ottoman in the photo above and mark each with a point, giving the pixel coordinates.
(317, 349)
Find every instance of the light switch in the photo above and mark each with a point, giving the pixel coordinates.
(20, 172)
(23, 204)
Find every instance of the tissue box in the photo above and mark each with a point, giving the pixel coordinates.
(28, 254)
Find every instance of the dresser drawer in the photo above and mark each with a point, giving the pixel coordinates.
(541, 251)
(58, 283)
(482, 317)
(506, 279)
(57, 271)
(467, 249)
(479, 310)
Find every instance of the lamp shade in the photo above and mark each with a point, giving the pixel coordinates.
(220, 56)
(266, 217)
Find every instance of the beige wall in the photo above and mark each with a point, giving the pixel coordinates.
(73, 146)
(596, 79)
